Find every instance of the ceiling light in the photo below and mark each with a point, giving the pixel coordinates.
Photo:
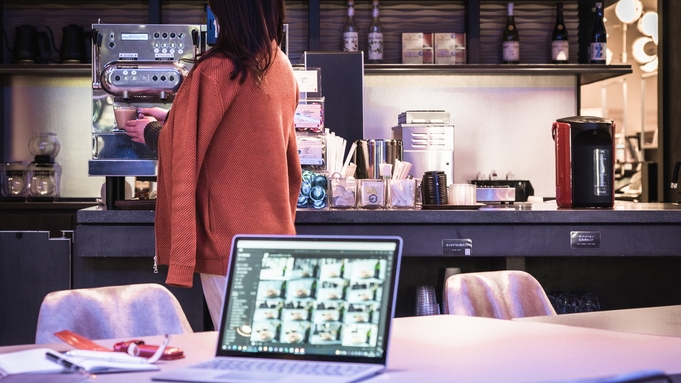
(651, 66)
(647, 24)
(643, 50)
(628, 11)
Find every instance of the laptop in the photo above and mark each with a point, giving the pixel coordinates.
(303, 309)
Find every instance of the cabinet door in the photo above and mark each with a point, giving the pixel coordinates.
(31, 266)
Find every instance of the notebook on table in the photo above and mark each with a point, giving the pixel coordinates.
(303, 309)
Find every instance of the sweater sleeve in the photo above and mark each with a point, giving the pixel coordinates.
(151, 133)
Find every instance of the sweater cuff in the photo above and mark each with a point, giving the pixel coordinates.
(180, 276)
(151, 133)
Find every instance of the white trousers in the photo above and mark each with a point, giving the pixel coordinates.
(213, 291)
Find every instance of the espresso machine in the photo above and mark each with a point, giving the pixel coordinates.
(133, 66)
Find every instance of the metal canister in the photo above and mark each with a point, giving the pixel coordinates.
(370, 154)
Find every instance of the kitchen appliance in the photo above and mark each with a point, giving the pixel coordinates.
(141, 65)
(428, 139)
(585, 159)
(74, 42)
(370, 154)
(30, 45)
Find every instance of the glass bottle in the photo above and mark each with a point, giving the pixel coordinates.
(350, 30)
(510, 40)
(560, 45)
(598, 39)
(375, 37)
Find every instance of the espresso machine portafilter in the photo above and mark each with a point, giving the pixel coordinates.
(138, 66)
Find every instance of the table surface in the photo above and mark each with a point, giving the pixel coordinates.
(471, 349)
(665, 320)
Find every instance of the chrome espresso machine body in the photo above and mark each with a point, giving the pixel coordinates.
(134, 65)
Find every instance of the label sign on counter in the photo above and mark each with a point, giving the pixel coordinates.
(585, 239)
(457, 247)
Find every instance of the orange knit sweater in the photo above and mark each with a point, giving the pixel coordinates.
(228, 164)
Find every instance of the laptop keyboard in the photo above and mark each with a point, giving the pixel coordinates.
(275, 367)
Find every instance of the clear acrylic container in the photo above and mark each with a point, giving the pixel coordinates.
(371, 194)
(402, 193)
(342, 193)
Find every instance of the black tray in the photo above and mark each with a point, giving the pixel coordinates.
(452, 207)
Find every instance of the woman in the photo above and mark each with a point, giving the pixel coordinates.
(227, 155)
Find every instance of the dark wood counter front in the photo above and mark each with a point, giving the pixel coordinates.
(630, 256)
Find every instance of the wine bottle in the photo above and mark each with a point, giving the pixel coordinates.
(560, 45)
(350, 30)
(375, 37)
(510, 40)
(599, 37)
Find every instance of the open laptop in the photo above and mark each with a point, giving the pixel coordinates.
(303, 309)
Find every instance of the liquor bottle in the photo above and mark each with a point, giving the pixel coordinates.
(560, 45)
(375, 37)
(599, 37)
(350, 30)
(510, 40)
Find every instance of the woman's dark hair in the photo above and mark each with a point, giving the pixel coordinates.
(246, 31)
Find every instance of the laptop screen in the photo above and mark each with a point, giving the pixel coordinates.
(310, 297)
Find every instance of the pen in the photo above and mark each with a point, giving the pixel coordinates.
(69, 366)
(115, 357)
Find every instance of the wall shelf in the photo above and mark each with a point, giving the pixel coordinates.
(587, 73)
(45, 69)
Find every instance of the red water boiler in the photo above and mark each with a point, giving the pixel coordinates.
(585, 161)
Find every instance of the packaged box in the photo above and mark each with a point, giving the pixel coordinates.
(412, 56)
(450, 41)
(450, 56)
(412, 40)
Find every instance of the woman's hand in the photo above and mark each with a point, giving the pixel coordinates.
(156, 112)
(135, 128)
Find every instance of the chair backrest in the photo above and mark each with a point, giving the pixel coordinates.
(111, 312)
(496, 294)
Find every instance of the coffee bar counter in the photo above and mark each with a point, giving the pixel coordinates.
(521, 230)
(630, 255)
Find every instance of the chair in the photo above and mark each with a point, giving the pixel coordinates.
(496, 294)
(111, 312)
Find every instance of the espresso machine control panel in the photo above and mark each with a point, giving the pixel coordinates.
(134, 66)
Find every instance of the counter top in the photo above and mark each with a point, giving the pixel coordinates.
(535, 213)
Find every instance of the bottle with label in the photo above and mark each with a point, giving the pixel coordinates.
(375, 37)
(560, 45)
(510, 40)
(598, 47)
(350, 30)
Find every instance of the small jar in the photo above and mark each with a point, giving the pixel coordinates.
(44, 144)
(45, 179)
(15, 179)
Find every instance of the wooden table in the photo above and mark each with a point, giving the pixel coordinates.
(469, 349)
(664, 320)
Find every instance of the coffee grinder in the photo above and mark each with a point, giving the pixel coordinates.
(585, 161)
(135, 66)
